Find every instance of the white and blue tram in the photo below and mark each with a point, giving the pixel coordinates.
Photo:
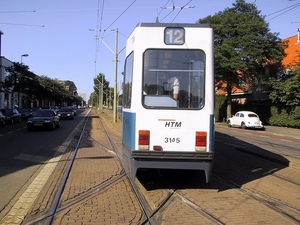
(168, 98)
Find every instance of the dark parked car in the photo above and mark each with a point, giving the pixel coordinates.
(26, 113)
(43, 118)
(35, 109)
(2, 119)
(54, 108)
(12, 115)
(73, 108)
(66, 113)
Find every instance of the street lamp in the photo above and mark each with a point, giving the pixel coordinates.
(24, 55)
(20, 88)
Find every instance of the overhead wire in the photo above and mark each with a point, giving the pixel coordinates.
(120, 15)
(181, 10)
(97, 32)
(287, 9)
(161, 9)
(101, 32)
(173, 9)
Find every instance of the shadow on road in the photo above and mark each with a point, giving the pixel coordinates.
(240, 163)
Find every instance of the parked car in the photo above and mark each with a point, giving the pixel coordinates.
(26, 113)
(35, 109)
(11, 116)
(74, 108)
(55, 108)
(245, 119)
(2, 119)
(66, 113)
(43, 118)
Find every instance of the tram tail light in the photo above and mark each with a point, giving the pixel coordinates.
(201, 138)
(144, 139)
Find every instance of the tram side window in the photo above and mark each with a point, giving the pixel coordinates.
(174, 78)
(127, 87)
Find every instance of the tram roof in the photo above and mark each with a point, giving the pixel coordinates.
(174, 25)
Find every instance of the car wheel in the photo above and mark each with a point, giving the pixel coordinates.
(12, 121)
(58, 124)
(243, 125)
(20, 120)
(228, 123)
(53, 126)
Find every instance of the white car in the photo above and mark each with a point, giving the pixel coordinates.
(245, 119)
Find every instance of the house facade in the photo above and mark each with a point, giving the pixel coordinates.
(7, 98)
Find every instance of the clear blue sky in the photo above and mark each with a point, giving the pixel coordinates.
(57, 34)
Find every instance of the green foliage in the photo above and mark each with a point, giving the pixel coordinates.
(286, 92)
(100, 83)
(20, 79)
(17, 77)
(243, 45)
(220, 108)
(284, 118)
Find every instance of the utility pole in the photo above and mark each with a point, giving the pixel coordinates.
(101, 107)
(116, 76)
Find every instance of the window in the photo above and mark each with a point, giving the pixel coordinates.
(173, 79)
(127, 87)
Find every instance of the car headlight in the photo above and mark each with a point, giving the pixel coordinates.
(29, 121)
(47, 121)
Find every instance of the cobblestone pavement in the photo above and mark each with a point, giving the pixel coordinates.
(118, 205)
(97, 190)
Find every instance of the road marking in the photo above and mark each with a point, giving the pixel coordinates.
(17, 213)
(20, 209)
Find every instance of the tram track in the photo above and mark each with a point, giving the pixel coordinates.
(272, 202)
(265, 171)
(268, 201)
(58, 204)
(156, 200)
(153, 216)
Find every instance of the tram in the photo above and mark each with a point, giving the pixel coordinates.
(168, 98)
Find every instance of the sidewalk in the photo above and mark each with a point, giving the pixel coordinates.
(283, 130)
(293, 132)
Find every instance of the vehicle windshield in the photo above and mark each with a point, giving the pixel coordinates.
(65, 110)
(173, 79)
(42, 113)
(24, 110)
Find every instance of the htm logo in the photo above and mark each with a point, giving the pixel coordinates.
(173, 124)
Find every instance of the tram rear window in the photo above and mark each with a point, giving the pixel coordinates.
(173, 79)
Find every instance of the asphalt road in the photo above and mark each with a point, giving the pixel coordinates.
(23, 154)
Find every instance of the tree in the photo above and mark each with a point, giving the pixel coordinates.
(101, 84)
(19, 79)
(285, 93)
(244, 47)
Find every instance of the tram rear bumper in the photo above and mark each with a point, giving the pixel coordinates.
(166, 156)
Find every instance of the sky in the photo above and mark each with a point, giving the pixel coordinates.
(76, 40)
